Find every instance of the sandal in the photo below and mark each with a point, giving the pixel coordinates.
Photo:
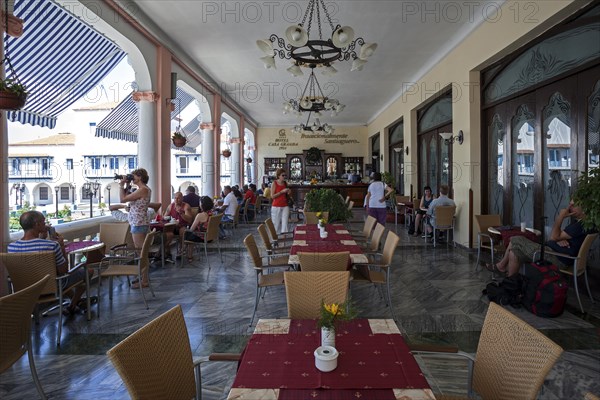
(137, 285)
(493, 268)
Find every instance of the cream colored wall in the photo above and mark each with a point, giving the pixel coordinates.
(492, 40)
(350, 141)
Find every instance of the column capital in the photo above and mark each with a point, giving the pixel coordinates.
(15, 24)
(235, 140)
(148, 96)
(207, 126)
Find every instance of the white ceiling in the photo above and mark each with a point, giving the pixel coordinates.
(221, 38)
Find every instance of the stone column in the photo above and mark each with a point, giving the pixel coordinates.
(236, 157)
(208, 159)
(147, 148)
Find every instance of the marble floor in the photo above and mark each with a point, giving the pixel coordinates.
(436, 295)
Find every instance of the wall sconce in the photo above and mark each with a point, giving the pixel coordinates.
(374, 157)
(448, 138)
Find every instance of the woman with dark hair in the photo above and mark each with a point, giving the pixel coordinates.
(375, 199)
(138, 211)
(198, 228)
(425, 202)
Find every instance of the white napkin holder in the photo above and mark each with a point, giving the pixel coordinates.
(326, 358)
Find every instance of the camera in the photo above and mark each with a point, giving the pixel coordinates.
(52, 232)
(128, 177)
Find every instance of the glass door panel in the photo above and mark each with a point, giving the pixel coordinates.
(496, 132)
(523, 134)
(593, 129)
(557, 178)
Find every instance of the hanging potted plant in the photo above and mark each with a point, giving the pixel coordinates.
(226, 153)
(13, 94)
(178, 138)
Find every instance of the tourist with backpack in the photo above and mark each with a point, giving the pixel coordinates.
(567, 241)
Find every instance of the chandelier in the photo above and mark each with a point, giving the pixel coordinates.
(313, 100)
(316, 127)
(317, 51)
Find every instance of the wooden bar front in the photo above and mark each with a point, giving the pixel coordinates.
(356, 191)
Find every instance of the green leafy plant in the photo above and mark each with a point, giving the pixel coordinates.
(327, 200)
(587, 196)
(13, 86)
(177, 135)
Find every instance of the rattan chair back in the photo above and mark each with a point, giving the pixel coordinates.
(271, 228)
(305, 291)
(391, 242)
(212, 228)
(258, 205)
(252, 248)
(368, 226)
(25, 269)
(513, 358)
(15, 328)
(376, 238)
(144, 262)
(484, 222)
(310, 217)
(444, 217)
(582, 256)
(337, 261)
(264, 235)
(15, 321)
(114, 234)
(155, 362)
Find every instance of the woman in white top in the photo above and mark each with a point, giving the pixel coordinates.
(375, 199)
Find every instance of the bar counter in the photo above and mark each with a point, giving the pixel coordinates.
(356, 191)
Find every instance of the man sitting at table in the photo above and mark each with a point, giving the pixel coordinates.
(568, 241)
(34, 239)
(442, 200)
(228, 208)
(181, 212)
(191, 197)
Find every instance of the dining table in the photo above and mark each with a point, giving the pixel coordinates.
(508, 231)
(163, 227)
(374, 363)
(307, 238)
(93, 252)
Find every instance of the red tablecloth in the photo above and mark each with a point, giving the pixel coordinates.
(162, 224)
(509, 231)
(314, 234)
(367, 362)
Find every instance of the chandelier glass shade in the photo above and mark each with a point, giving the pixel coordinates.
(316, 51)
(313, 100)
(316, 127)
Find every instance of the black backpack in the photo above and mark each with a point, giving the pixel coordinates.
(508, 292)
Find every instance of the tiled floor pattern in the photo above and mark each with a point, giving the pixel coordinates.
(436, 296)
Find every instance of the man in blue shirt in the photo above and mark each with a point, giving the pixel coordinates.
(34, 239)
(442, 200)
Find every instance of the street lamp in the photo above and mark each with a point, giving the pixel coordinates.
(56, 189)
(108, 189)
(73, 195)
(91, 188)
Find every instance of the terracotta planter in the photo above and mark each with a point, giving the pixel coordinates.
(11, 101)
(179, 141)
(226, 153)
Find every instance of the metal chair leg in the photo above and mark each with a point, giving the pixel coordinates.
(34, 374)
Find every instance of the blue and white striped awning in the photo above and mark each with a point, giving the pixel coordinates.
(59, 58)
(122, 123)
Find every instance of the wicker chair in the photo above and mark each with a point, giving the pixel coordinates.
(377, 271)
(310, 217)
(512, 358)
(263, 281)
(373, 245)
(444, 221)
(484, 239)
(113, 266)
(365, 232)
(305, 291)
(155, 362)
(324, 261)
(579, 266)
(276, 256)
(236, 221)
(277, 238)
(211, 236)
(114, 235)
(15, 328)
(38, 265)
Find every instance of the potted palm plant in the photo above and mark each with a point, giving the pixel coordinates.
(13, 94)
(587, 196)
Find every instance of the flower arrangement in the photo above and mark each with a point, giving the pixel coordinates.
(322, 222)
(334, 312)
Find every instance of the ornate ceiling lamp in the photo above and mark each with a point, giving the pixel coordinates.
(313, 100)
(316, 127)
(316, 51)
